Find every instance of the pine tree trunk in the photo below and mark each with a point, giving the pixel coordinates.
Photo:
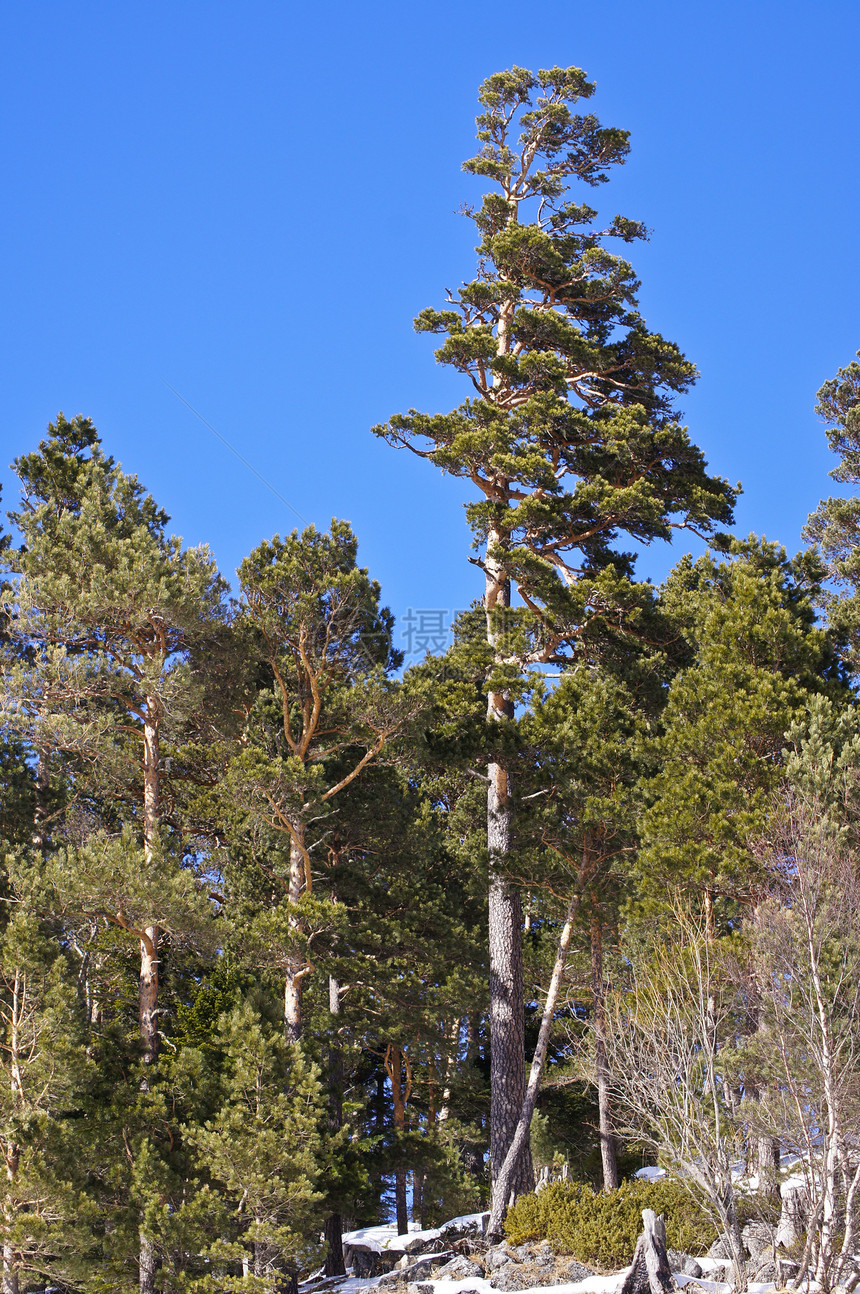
(148, 996)
(507, 1007)
(40, 808)
(149, 968)
(504, 1184)
(295, 973)
(147, 1266)
(607, 1140)
(10, 1263)
(400, 1093)
(333, 1228)
(149, 942)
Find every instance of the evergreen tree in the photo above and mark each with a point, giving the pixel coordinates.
(569, 441)
(328, 711)
(45, 1068)
(263, 1151)
(106, 613)
(755, 656)
(835, 524)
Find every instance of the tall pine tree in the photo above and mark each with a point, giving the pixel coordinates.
(569, 440)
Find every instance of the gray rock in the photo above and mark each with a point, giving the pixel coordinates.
(421, 1244)
(521, 1254)
(430, 1263)
(391, 1280)
(477, 1227)
(512, 1277)
(367, 1264)
(543, 1255)
(458, 1269)
(758, 1239)
(720, 1249)
(496, 1257)
(680, 1262)
(568, 1271)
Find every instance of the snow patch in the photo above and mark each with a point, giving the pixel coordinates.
(650, 1173)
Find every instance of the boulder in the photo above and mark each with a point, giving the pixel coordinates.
(367, 1262)
(471, 1224)
(418, 1269)
(542, 1255)
(569, 1271)
(496, 1257)
(758, 1239)
(680, 1262)
(720, 1249)
(421, 1242)
(459, 1268)
(518, 1276)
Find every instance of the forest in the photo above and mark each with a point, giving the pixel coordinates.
(295, 940)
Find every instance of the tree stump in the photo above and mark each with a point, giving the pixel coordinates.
(650, 1272)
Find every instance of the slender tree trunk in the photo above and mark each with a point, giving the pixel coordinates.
(149, 966)
(333, 1228)
(13, 1151)
(607, 1139)
(148, 996)
(768, 1166)
(504, 1185)
(296, 970)
(507, 1008)
(40, 808)
(400, 1073)
(451, 1062)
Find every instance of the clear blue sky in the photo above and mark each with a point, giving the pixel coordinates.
(251, 202)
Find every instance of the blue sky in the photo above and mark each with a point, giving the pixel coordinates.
(251, 202)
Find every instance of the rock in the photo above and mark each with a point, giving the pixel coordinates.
(568, 1271)
(496, 1257)
(720, 1249)
(521, 1254)
(543, 1255)
(517, 1276)
(418, 1269)
(474, 1224)
(423, 1242)
(758, 1239)
(680, 1262)
(459, 1268)
(393, 1279)
(366, 1263)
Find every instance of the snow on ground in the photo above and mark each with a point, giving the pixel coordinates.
(650, 1173)
(385, 1235)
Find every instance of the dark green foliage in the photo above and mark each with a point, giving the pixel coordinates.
(753, 657)
(835, 524)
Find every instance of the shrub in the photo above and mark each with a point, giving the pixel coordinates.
(600, 1228)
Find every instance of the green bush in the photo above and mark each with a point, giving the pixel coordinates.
(600, 1228)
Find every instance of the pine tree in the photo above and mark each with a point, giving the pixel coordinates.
(45, 1070)
(755, 657)
(263, 1150)
(569, 441)
(106, 612)
(325, 644)
(835, 524)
